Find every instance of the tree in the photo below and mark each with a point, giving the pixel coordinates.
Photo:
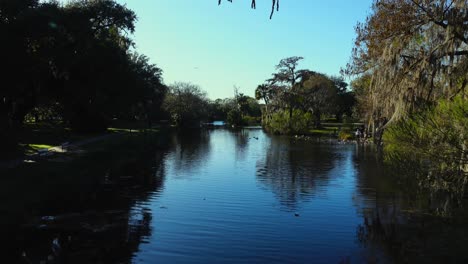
(411, 59)
(345, 100)
(284, 82)
(316, 93)
(307, 91)
(364, 108)
(21, 68)
(187, 104)
(74, 58)
(415, 52)
(266, 92)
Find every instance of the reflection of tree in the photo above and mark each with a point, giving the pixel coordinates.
(412, 237)
(294, 170)
(401, 222)
(241, 139)
(190, 149)
(107, 222)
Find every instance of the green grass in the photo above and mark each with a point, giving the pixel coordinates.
(36, 136)
(325, 131)
(30, 149)
(43, 135)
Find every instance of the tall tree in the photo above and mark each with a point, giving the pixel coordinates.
(415, 52)
(316, 93)
(345, 99)
(75, 56)
(284, 81)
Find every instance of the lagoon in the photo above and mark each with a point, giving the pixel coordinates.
(243, 196)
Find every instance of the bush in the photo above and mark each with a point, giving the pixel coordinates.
(251, 120)
(279, 122)
(345, 135)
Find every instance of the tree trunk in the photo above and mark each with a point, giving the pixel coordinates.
(317, 115)
(290, 117)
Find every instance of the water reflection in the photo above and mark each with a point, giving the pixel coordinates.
(218, 195)
(104, 222)
(190, 149)
(241, 140)
(296, 170)
(401, 222)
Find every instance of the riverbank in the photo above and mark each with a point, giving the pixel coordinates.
(40, 141)
(70, 172)
(93, 177)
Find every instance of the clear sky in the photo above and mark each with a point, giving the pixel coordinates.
(218, 47)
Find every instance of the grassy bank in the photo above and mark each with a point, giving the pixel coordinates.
(343, 131)
(38, 136)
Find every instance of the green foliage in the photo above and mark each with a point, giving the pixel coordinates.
(281, 123)
(433, 145)
(234, 117)
(251, 120)
(407, 57)
(345, 134)
(186, 104)
(238, 111)
(290, 89)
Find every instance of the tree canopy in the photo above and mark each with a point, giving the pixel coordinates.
(411, 60)
(414, 52)
(76, 56)
(299, 91)
(186, 104)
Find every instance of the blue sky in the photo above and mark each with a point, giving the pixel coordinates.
(218, 47)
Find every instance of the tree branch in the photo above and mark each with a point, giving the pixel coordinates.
(253, 5)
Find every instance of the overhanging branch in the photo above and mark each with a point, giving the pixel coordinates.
(253, 5)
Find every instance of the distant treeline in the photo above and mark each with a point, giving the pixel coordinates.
(187, 105)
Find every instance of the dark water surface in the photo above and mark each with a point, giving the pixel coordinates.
(220, 196)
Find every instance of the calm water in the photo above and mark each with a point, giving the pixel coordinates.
(220, 196)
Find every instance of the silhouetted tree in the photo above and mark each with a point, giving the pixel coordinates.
(75, 56)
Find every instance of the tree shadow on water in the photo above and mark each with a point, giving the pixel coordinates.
(403, 223)
(102, 219)
(295, 171)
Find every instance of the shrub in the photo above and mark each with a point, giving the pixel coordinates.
(345, 135)
(279, 122)
(251, 120)
(433, 145)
